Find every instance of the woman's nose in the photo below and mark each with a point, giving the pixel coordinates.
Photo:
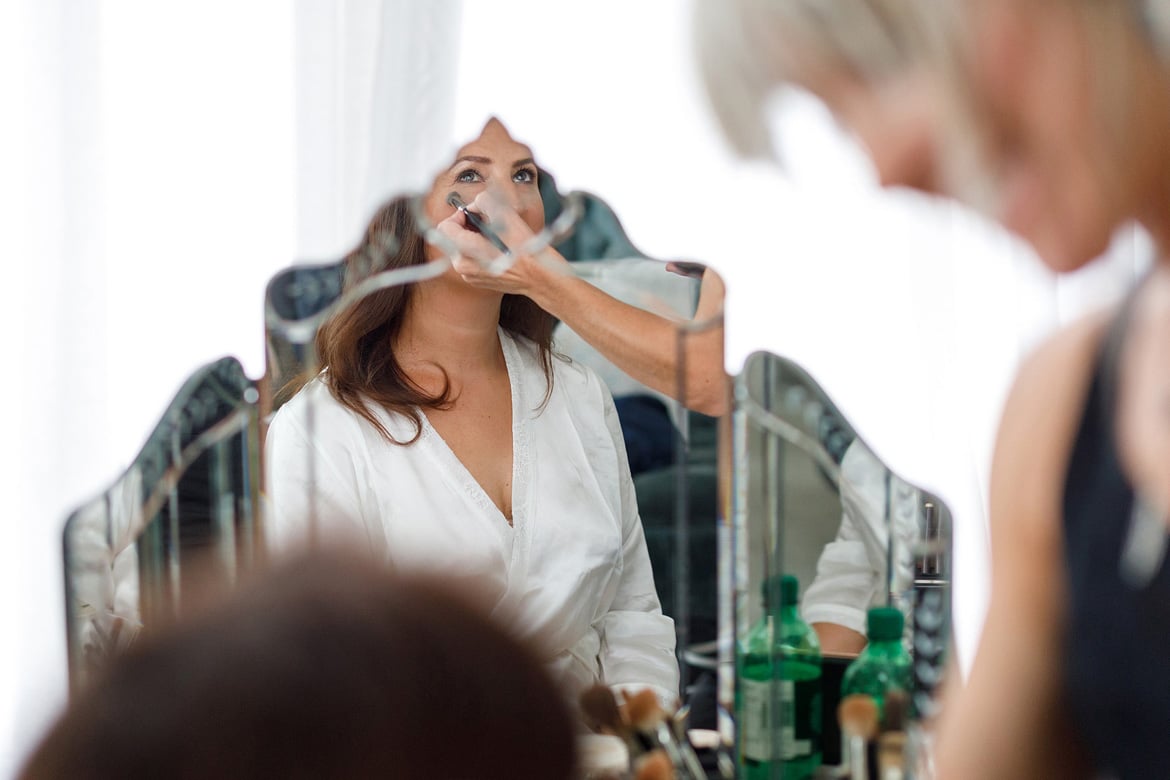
(498, 195)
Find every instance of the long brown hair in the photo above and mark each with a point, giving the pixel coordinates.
(354, 346)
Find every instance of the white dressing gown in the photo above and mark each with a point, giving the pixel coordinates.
(572, 568)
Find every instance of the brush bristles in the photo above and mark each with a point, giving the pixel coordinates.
(600, 710)
(894, 710)
(858, 716)
(643, 711)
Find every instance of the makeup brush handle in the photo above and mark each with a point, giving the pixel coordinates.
(857, 762)
(681, 753)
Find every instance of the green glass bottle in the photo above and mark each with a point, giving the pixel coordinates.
(884, 664)
(778, 698)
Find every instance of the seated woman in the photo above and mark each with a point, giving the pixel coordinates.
(444, 435)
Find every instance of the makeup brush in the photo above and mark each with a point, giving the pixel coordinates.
(477, 223)
(655, 765)
(895, 709)
(891, 755)
(600, 712)
(858, 716)
(891, 744)
(650, 722)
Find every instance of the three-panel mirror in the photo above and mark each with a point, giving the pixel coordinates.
(474, 464)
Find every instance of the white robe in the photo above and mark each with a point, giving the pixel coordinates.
(572, 570)
(853, 575)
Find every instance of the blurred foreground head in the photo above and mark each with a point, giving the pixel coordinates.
(326, 666)
(1065, 110)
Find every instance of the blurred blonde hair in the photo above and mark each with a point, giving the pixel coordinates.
(747, 49)
(1112, 31)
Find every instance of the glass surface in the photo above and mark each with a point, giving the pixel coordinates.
(192, 494)
(672, 452)
(186, 508)
(809, 499)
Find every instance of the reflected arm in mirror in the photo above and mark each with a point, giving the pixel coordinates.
(839, 640)
(639, 342)
(850, 573)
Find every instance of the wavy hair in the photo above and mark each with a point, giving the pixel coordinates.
(355, 345)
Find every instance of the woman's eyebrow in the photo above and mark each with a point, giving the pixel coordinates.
(525, 161)
(472, 158)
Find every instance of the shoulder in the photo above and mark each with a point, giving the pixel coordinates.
(1038, 426)
(315, 408)
(314, 403)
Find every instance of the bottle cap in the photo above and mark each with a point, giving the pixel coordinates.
(789, 591)
(884, 624)
(780, 590)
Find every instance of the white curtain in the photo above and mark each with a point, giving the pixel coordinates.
(375, 83)
(160, 162)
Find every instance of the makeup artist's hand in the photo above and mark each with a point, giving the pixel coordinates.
(527, 272)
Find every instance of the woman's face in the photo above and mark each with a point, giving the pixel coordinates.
(1051, 172)
(494, 162)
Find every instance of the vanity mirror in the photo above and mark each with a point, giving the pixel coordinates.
(190, 496)
(590, 245)
(155, 517)
(813, 502)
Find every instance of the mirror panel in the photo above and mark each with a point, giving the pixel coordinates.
(672, 453)
(811, 500)
(191, 495)
(806, 496)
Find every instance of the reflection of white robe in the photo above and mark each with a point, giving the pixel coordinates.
(852, 572)
(103, 570)
(573, 568)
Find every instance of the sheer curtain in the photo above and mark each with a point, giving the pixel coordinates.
(160, 162)
(375, 82)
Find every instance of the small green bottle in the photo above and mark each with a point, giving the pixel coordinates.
(884, 664)
(779, 692)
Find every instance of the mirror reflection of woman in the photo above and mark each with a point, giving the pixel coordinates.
(865, 60)
(447, 436)
(639, 342)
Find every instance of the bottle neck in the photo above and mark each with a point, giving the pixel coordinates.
(884, 647)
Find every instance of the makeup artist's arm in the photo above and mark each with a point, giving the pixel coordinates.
(641, 343)
(1010, 719)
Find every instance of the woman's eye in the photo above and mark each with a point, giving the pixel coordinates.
(524, 176)
(468, 176)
